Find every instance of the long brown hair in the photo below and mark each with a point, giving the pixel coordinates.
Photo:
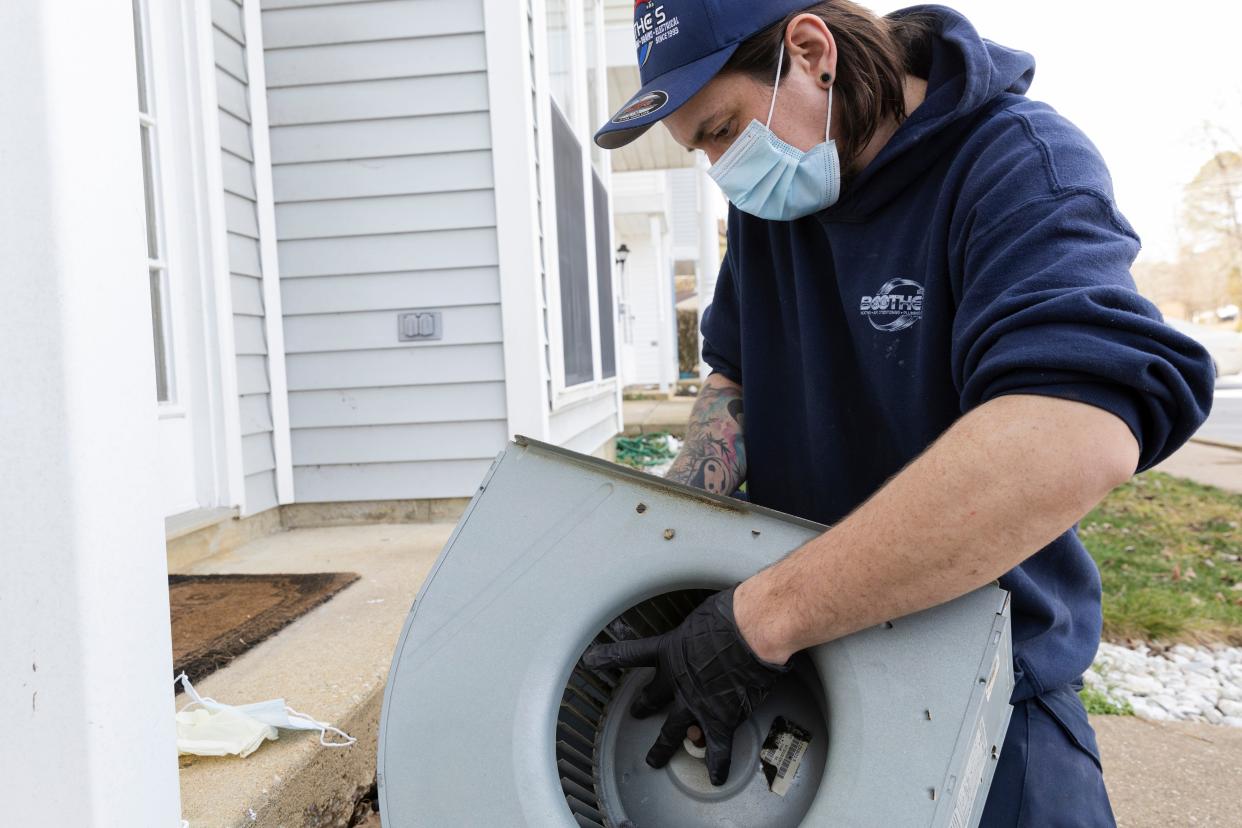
(874, 54)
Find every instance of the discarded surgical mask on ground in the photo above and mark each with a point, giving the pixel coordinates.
(206, 727)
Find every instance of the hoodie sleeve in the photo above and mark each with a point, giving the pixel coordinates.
(1047, 306)
(721, 327)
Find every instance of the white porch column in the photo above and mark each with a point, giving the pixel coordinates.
(667, 313)
(709, 245)
(85, 651)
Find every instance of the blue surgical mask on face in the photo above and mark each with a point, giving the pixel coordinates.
(766, 177)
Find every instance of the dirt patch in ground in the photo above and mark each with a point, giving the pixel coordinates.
(216, 618)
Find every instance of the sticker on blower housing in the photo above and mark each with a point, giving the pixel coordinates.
(782, 753)
(972, 779)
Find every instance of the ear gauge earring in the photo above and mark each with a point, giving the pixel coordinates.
(825, 77)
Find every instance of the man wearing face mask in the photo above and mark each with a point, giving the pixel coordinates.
(926, 312)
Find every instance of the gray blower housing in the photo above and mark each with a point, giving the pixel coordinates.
(490, 719)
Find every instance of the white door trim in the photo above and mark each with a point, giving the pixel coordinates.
(265, 205)
(517, 233)
(216, 264)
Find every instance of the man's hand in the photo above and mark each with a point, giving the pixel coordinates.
(706, 668)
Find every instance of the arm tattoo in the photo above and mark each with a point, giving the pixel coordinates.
(713, 457)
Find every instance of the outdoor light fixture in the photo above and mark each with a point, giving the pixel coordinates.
(623, 305)
(490, 717)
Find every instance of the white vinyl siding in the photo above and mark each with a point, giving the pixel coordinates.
(382, 174)
(391, 139)
(585, 426)
(683, 188)
(388, 481)
(241, 220)
(318, 23)
(395, 367)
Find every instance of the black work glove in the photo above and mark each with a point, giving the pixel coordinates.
(707, 670)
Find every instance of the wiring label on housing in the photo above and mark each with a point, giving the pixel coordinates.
(782, 753)
(971, 780)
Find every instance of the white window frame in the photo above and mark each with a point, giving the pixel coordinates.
(583, 123)
(154, 89)
(196, 238)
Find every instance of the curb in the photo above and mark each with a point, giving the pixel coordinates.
(1217, 443)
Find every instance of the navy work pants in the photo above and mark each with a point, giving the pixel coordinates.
(1048, 774)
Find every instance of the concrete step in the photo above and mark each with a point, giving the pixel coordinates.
(178, 526)
(332, 663)
(197, 535)
(648, 416)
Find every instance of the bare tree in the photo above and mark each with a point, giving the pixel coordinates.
(1210, 260)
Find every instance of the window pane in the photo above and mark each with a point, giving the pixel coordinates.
(572, 252)
(148, 189)
(157, 321)
(603, 280)
(559, 56)
(140, 59)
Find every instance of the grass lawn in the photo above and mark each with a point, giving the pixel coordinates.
(1099, 704)
(1168, 550)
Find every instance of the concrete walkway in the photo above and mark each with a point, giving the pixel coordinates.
(1171, 773)
(1208, 464)
(332, 663)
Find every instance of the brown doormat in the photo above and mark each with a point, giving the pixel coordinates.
(216, 618)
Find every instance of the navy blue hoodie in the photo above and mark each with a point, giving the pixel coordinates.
(980, 254)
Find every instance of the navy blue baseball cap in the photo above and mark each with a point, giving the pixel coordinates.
(682, 44)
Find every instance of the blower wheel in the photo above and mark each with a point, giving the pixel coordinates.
(600, 748)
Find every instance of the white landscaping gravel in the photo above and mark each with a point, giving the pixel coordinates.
(1197, 684)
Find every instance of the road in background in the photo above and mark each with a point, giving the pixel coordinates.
(1225, 424)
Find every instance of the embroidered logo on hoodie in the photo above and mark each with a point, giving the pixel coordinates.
(897, 305)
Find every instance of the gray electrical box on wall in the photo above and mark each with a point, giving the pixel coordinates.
(419, 326)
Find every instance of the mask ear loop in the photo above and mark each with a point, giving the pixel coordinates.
(323, 730)
(195, 698)
(828, 126)
(780, 64)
